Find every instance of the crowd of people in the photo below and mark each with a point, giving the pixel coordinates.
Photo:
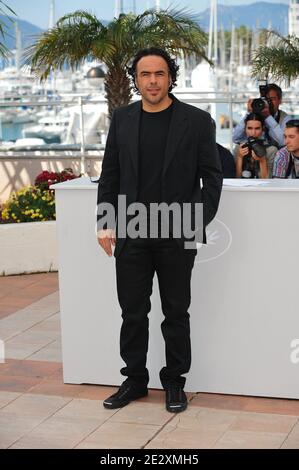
(266, 142)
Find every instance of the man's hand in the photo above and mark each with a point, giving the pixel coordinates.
(266, 110)
(106, 239)
(249, 105)
(263, 173)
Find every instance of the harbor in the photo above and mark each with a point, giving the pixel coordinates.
(64, 304)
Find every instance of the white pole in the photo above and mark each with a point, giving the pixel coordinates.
(222, 49)
(52, 15)
(157, 6)
(232, 58)
(117, 8)
(210, 32)
(18, 47)
(182, 70)
(82, 136)
(215, 33)
(241, 48)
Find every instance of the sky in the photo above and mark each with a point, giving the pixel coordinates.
(37, 11)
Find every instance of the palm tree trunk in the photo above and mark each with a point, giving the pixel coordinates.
(118, 88)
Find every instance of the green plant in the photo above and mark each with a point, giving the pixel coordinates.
(5, 11)
(278, 60)
(29, 204)
(80, 35)
(35, 203)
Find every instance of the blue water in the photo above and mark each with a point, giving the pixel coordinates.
(10, 131)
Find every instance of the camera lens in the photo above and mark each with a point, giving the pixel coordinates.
(258, 105)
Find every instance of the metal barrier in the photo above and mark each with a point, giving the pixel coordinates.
(195, 97)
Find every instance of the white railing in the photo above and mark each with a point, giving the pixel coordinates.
(80, 147)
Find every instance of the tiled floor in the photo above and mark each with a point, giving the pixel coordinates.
(37, 410)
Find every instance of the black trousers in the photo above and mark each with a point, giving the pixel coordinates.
(135, 268)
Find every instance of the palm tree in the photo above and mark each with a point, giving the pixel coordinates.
(279, 60)
(5, 10)
(81, 35)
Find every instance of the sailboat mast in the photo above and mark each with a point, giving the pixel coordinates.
(52, 14)
(118, 8)
(213, 33)
(18, 47)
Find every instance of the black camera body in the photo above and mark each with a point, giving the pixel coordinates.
(259, 104)
(257, 145)
(250, 167)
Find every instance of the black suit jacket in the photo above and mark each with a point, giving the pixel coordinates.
(191, 156)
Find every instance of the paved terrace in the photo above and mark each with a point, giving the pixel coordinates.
(37, 410)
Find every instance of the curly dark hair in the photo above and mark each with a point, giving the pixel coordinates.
(172, 65)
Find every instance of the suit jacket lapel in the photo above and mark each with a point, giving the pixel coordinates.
(133, 134)
(177, 128)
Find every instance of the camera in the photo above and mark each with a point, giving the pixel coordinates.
(251, 167)
(258, 104)
(257, 145)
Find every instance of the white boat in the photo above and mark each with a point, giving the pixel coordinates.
(28, 142)
(95, 124)
(51, 129)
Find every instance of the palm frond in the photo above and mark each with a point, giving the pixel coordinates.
(280, 60)
(5, 10)
(174, 30)
(69, 42)
(79, 35)
(78, 16)
(4, 7)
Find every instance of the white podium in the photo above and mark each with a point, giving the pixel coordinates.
(244, 311)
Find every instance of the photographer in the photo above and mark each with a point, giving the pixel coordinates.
(286, 162)
(254, 157)
(275, 118)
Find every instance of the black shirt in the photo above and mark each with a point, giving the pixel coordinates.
(153, 133)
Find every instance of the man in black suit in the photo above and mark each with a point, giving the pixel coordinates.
(158, 151)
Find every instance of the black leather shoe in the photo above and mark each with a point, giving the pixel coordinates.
(127, 392)
(176, 400)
